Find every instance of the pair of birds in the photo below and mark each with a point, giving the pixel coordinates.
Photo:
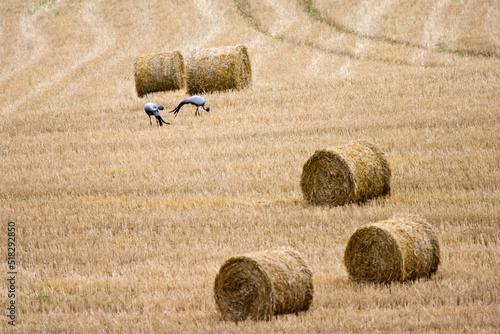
(153, 110)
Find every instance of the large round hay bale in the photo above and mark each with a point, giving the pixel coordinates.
(398, 249)
(218, 69)
(156, 72)
(262, 284)
(351, 173)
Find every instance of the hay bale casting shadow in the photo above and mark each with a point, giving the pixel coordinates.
(262, 284)
(156, 72)
(397, 249)
(351, 173)
(218, 69)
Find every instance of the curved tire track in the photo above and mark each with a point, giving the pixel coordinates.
(429, 28)
(358, 46)
(32, 46)
(103, 41)
(359, 50)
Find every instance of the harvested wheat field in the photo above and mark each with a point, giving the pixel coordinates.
(122, 227)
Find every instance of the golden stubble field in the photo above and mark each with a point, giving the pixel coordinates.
(122, 227)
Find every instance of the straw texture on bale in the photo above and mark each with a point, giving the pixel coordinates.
(262, 284)
(351, 173)
(218, 69)
(394, 250)
(156, 72)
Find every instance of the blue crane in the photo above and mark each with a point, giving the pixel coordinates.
(198, 101)
(153, 110)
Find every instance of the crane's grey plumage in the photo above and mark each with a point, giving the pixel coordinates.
(153, 110)
(198, 101)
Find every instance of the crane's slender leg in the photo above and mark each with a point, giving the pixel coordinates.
(150, 123)
(197, 113)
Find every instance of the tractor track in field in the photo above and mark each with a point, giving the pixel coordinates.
(31, 47)
(430, 26)
(32, 32)
(354, 53)
(364, 46)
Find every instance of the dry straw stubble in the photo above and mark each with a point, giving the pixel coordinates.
(218, 69)
(398, 249)
(262, 284)
(345, 174)
(156, 72)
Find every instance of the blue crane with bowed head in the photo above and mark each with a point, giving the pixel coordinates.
(153, 110)
(198, 101)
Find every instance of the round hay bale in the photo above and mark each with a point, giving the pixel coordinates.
(351, 173)
(156, 72)
(218, 69)
(397, 249)
(262, 284)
